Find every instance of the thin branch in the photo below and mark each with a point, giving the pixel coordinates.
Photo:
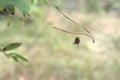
(74, 33)
(90, 35)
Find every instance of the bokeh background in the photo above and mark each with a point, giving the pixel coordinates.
(51, 54)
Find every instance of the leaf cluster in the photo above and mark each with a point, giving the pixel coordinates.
(15, 56)
(11, 4)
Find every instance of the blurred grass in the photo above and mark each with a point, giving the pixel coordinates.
(51, 53)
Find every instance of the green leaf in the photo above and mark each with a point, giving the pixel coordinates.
(8, 10)
(11, 9)
(17, 57)
(11, 46)
(20, 4)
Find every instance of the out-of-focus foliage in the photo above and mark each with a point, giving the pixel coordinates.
(92, 5)
(51, 53)
(20, 4)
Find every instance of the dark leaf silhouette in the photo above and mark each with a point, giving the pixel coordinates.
(11, 46)
(17, 57)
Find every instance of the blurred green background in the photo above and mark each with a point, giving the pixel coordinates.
(51, 54)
